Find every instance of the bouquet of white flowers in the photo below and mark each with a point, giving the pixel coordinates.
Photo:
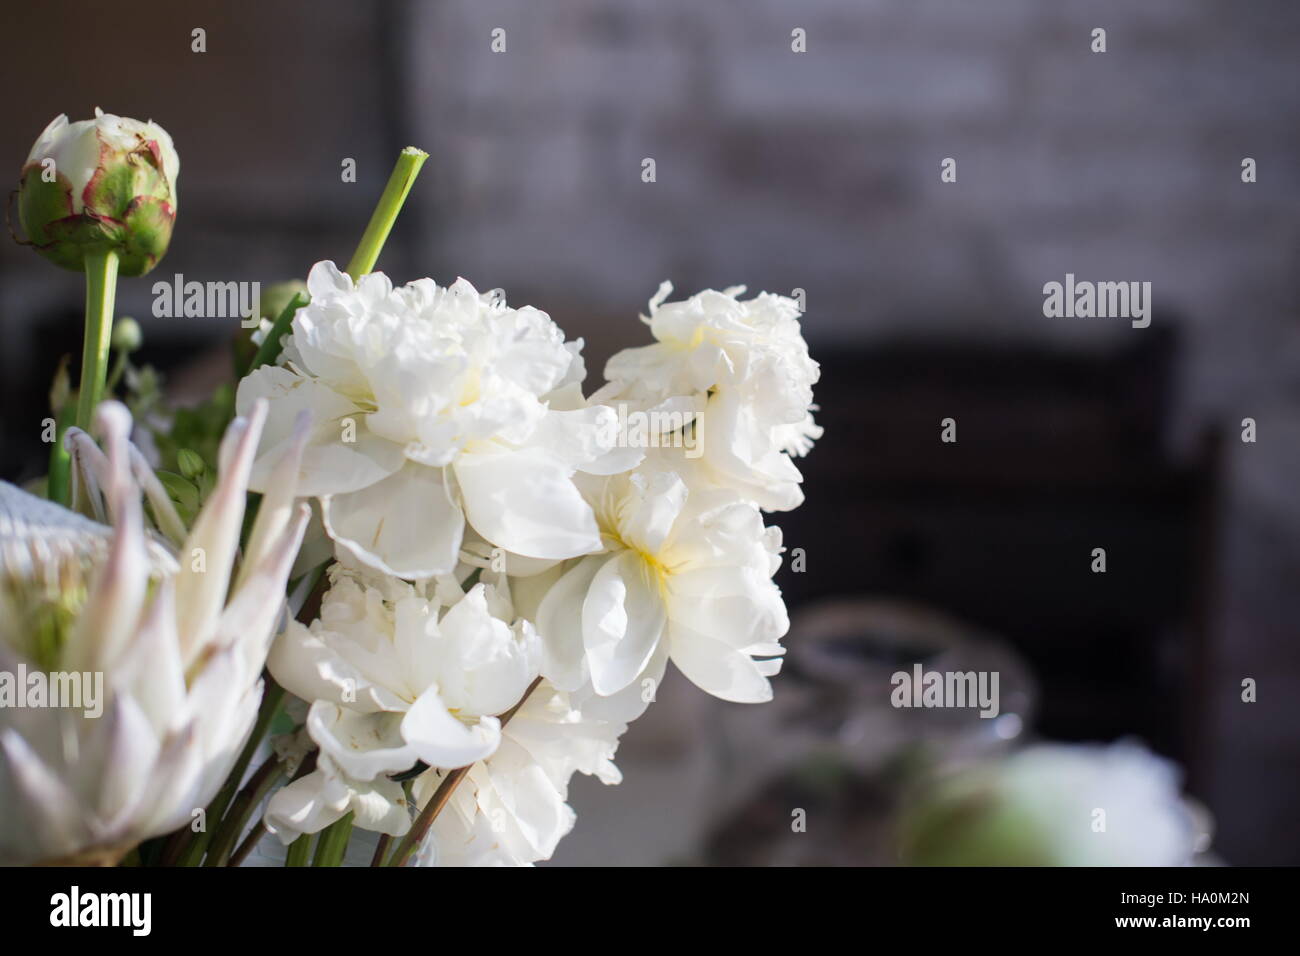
(465, 576)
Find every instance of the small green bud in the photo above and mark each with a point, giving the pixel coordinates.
(276, 297)
(126, 335)
(190, 463)
(60, 387)
(107, 183)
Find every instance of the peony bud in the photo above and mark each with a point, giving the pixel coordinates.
(127, 336)
(276, 297)
(107, 183)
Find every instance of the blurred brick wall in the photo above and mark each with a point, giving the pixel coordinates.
(821, 170)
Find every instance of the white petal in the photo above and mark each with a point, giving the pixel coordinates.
(307, 666)
(488, 665)
(742, 452)
(381, 806)
(648, 525)
(627, 704)
(717, 668)
(406, 525)
(307, 805)
(362, 745)
(326, 279)
(587, 438)
(330, 465)
(737, 606)
(622, 621)
(559, 621)
(535, 814)
(441, 740)
(525, 501)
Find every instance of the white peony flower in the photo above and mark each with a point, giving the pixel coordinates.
(432, 410)
(394, 677)
(686, 574)
(510, 810)
(747, 361)
(179, 650)
(1056, 805)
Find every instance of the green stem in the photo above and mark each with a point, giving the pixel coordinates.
(333, 842)
(59, 486)
(269, 350)
(363, 260)
(258, 786)
(253, 839)
(415, 836)
(101, 291)
(119, 369)
(298, 851)
(255, 835)
(390, 204)
(381, 850)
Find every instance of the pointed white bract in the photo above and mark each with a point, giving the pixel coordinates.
(180, 652)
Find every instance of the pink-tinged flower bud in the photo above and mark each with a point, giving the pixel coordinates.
(107, 183)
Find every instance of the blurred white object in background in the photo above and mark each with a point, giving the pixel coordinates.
(1058, 805)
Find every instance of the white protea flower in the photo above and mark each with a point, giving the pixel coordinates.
(510, 809)
(180, 649)
(396, 674)
(1056, 805)
(747, 362)
(686, 575)
(432, 409)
